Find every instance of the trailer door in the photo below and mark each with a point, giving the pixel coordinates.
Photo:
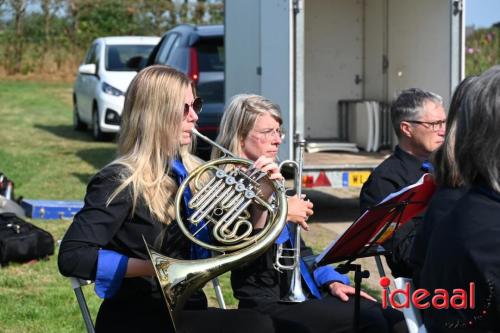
(242, 47)
(277, 60)
(424, 50)
(259, 57)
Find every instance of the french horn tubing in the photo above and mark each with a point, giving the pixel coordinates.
(222, 203)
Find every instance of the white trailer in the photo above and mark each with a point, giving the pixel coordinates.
(332, 65)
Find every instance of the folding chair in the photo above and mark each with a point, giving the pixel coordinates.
(77, 284)
(412, 315)
(218, 293)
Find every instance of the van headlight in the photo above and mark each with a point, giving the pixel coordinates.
(110, 90)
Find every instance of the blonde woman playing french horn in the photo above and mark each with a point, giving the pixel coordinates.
(251, 127)
(132, 197)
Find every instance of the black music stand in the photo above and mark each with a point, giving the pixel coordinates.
(364, 237)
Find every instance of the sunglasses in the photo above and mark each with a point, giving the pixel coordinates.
(432, 125)
(197, 105)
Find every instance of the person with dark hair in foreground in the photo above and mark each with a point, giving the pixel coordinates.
(463, 252)
(450, 183)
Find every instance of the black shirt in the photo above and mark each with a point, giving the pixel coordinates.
(258, 283)
(399, 170)
(465, 248)
(442, 203)
(115, 227)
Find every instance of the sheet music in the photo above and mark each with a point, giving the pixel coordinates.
(404, 189)
(376, 220)
(327, 249)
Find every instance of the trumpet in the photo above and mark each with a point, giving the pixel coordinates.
(222, 201)
(295, 292)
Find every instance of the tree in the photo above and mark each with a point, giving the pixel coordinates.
(161, 14)
(16, 56)
(49, 8)
(184, 12)
(60, 31)
(1, 4)
(72, 9)
(199, 12)
(216, 13)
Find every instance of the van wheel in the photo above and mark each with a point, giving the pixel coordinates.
(96, 128)
(78, 125)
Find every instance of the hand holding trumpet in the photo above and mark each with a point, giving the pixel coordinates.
(299, 210)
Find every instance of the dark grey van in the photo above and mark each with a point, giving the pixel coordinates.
(198, 51)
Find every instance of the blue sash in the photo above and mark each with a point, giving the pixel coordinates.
(304, 271)
(197, 252)
(427, 166)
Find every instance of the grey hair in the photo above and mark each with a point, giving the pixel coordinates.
(409, 106)
(477, 139)
(446, 168)
(239, 119)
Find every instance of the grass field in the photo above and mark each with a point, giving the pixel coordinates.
(46, 159)
(39, 149)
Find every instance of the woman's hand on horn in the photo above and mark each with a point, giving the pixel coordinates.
(299, 210)
(267, 165)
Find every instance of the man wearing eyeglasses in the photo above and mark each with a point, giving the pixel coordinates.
(419, 121)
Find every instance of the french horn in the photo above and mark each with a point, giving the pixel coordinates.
(222, 204)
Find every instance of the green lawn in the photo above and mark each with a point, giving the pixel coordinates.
(46, 159)
(39, 149)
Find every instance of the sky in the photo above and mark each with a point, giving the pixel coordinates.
(482, 13)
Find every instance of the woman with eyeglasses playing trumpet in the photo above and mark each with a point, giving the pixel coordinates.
(132, 198)
(251, 127)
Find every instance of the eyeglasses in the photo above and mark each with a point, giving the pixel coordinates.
(272, 133)
(432, 125)
(197, 105)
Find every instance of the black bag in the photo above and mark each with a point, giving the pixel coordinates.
(6, 187)
(21, 241)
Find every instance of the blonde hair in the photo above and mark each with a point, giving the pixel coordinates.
(149, 139)
(239, 119)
